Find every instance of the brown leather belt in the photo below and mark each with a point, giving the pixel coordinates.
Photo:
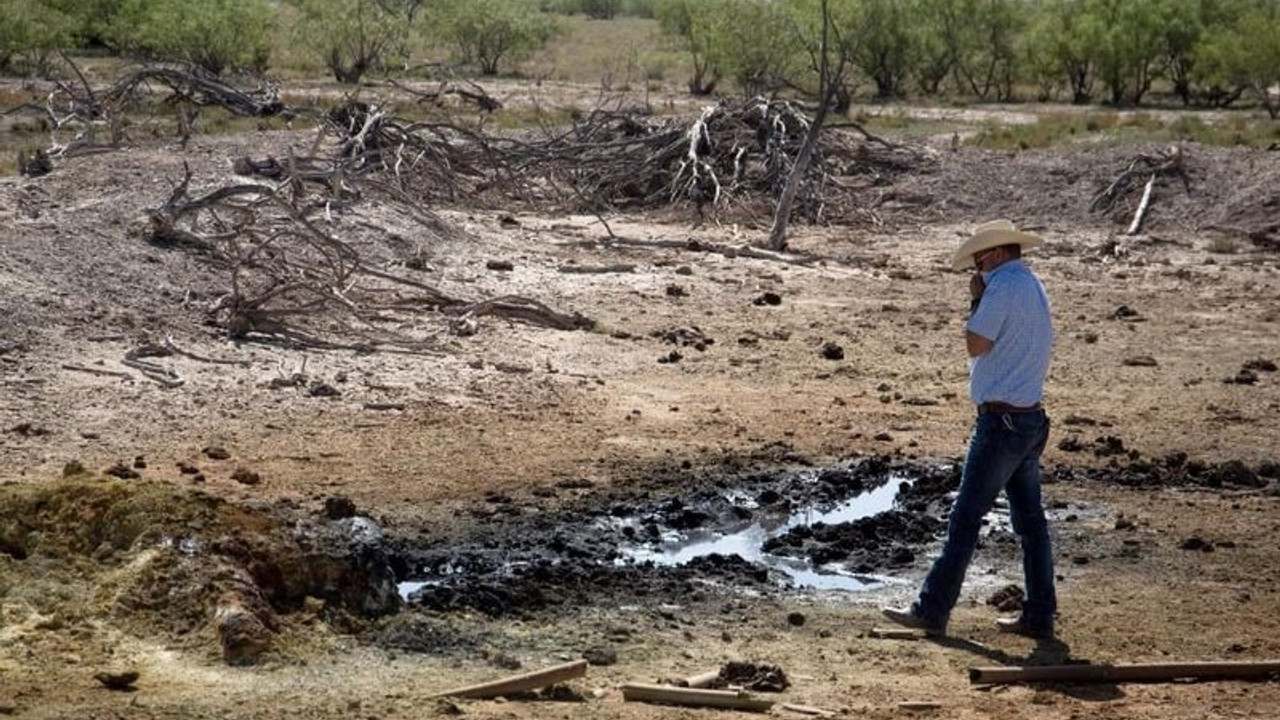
(999, 407)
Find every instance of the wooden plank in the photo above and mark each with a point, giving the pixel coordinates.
(808, 710)
(1135, 672)
(693, 697)
(521, 683)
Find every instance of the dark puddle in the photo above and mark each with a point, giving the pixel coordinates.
(688, 538)
(757, 541)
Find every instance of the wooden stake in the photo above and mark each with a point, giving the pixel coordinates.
(690, 697)
(1138, 672)
(521, 683)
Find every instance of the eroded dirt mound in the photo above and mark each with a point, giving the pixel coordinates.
(199, 569)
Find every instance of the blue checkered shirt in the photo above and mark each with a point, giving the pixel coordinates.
(1014, 315)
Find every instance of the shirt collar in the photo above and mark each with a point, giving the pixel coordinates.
(1016, 262)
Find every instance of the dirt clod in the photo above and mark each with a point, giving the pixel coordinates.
(121, 680)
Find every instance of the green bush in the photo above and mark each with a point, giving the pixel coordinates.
(488, 33)
(33, 30)
(213, 34)
(352, 37)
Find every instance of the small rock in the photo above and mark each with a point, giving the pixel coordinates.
(1124, 523)
(27, 429)
(1244, 377)
(338, 507)
(796, 619)
(884, 437)
(601, 656)
(672, 357)
(832, 351)
(1195, 542)
(508, 220)
(444, 706)
(187, 468)
(1140, 361)
(504, 661)
(1007, 599)
(676, 291)
(1124, 311)
(500, 265)
(246, 477)
(1074, 419)
(122, 471)
(122, 680)
(684, 270)
(214, 452)
(243, 636)
(1071, 443)
(561, 693)
(1259, 365)
(768, 298)
(321, 389)
(139, 463)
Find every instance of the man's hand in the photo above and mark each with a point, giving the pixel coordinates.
(977, 286)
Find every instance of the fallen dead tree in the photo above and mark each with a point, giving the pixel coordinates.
(292, 278)
(82, 120)
(733, 159)
(1164, 164)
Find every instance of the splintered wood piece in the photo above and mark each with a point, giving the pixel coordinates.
(691, 697)
(701, 680)
(521, 683)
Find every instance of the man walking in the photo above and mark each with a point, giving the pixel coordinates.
(1009, 337)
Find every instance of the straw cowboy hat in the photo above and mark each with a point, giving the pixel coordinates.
(989, 235)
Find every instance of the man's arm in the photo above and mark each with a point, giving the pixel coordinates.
(976, 344)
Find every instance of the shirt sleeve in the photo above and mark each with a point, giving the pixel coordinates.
(989, 319)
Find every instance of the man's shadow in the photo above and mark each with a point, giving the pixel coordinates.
(1047, 651)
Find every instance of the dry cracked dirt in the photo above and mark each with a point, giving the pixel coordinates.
(310, 533)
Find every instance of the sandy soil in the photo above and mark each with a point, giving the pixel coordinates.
(513, 409)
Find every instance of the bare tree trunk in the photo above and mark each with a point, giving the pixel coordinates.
(826, 86)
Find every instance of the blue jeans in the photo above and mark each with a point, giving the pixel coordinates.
(1004, 454)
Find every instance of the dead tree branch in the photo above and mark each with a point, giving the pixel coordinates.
(1152, 167)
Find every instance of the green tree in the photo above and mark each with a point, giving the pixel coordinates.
(599, 9)
(1182, 30)
(1244, 57)
(351, 37)
(490, 32)
(33, 30)
(696, 23)
(885, 44)
(987, 54)
(823, 35)
(753, 47)
(213, 34)
(939, 38)
(1063, 45)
